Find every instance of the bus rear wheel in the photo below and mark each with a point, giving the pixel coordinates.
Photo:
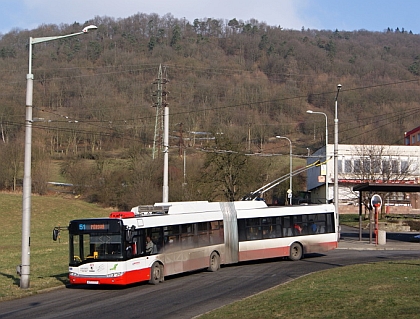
(296, 252)
(156, 273)
(214, 264)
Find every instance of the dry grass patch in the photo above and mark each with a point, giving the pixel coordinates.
(49, 259)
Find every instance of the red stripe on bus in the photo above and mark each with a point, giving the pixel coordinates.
(321, 247)
(283, 251)
(263, 253)
(127, 278)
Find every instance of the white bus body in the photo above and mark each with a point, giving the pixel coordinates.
(194, 235)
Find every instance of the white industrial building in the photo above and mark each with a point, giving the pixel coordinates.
(361, 164)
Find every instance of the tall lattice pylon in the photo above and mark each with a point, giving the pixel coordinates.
(161, 102)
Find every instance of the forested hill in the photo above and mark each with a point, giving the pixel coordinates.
(247, 80)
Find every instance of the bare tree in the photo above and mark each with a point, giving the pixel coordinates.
(11, 158)
(41, 175)
(374, 163)
(224, 169)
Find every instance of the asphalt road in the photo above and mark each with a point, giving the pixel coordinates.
(187, 295)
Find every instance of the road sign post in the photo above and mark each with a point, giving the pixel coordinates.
(289, 196)
(376, 202)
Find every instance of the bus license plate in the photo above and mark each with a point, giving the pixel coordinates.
(92, 282)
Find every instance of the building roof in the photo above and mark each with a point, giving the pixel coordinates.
(391, 187)
(414, 130)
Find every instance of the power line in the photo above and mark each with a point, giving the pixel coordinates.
(381, 126)
(384, 117)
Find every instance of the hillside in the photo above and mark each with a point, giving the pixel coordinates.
(247, 81)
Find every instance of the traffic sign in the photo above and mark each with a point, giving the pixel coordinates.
(376, 201)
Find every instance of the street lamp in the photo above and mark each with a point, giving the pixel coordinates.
(326, 147)
(23, 269)
(290, 191)
(336, 155)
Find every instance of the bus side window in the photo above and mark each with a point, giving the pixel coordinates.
(157, 238)
(171, 237)
(203, 234)
(253, 229)
(172, 240)
(330, 223)
(297, 229)
(216, 232)
(287, 227)
(241, 230)
(135, 246)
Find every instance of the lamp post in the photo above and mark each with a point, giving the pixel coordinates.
(336, 154)
(290, 191)
(165, 189)
(24, 268)
(326, 147)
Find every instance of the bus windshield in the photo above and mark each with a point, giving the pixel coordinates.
(97, 246)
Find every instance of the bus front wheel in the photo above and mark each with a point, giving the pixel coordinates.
(296, 252)
(214, 262)
(156, 273)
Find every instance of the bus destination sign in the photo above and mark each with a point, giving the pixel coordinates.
(102, 226)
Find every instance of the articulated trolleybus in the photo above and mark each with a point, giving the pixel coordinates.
(152, 242)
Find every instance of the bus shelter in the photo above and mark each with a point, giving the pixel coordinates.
(373, 188)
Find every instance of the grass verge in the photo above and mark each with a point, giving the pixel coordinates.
(375, 290)
(49, 259)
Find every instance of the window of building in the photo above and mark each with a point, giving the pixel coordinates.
(404, 166)
(376, 165)
(366, 164)
(340, 166)
(385, 166)
(395, 166)
(347, 166)
(357, 166)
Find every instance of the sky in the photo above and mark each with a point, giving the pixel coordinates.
(371, 15)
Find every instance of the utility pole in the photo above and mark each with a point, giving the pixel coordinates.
(249, 137)
(162, 128)
(160, 104)
(336, 200)
(181, 139)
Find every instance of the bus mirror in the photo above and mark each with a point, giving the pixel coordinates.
(56, 233)
(129, 233)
